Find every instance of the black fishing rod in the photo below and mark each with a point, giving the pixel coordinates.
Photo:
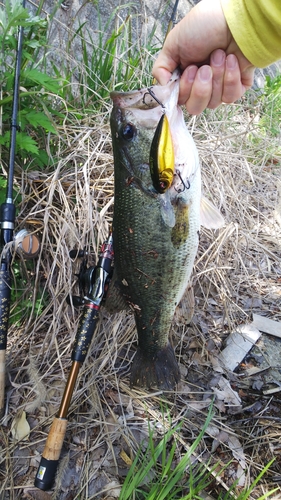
(171, 24)
(172, 21)
(27, 245)
(7, 216)
(95, 280)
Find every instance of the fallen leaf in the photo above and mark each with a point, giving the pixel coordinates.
(200, 405)
(237, 450)
(225, 393)
(128, 461)
(240, 476)
(216, 363)
(222, 437)
(20, 427)
(36, 494)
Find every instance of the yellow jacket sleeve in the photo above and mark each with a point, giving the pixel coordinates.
(256, 28)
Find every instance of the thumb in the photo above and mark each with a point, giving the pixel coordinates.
(247, 77)
(163, 67)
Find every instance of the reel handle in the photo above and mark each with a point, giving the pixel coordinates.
(26, 244)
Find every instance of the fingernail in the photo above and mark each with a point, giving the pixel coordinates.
(205, 74)
(217, 57)
(191, 73)
(231, 61)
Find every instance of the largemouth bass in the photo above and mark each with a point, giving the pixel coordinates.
(155, 234)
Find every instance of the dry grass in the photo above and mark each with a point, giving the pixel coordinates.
(237, 271)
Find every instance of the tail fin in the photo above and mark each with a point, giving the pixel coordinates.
(161, 370)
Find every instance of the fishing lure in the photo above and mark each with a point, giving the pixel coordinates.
(161, 157)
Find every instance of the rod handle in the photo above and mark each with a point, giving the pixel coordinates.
(5, 297)
(2, 383)
(86, 328)
(47, 469)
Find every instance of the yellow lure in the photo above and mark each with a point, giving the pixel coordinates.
(162, 158)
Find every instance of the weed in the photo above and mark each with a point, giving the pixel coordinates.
(271, 106)
(153, 474)
(36, 101)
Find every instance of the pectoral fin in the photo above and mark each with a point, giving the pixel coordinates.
(210, 216)
(167, 210)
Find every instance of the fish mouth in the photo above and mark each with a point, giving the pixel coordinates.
(137, 99)
(147, 98)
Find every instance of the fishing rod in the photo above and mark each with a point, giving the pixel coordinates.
(95, 280)
(172, 21)
(23, 243)
(171, 24)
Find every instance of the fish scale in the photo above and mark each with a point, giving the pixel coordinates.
(155, 235)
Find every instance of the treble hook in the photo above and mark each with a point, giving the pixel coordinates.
(185, 186)
(150, 92)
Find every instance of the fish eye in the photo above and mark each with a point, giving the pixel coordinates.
(128, 131)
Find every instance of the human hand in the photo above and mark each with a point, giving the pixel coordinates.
(214, 68)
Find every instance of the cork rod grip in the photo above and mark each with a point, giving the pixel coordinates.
(50, 458)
